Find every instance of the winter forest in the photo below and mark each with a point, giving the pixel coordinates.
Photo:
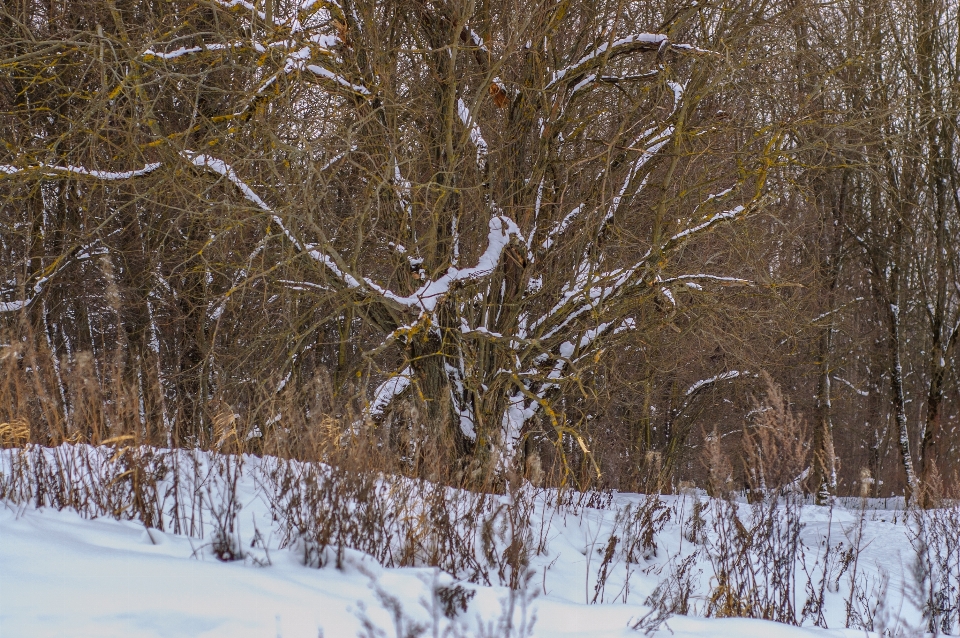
(579, 247)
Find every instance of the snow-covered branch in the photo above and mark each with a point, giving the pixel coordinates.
(594, 288)
(203, 48)
(834, 311)
(386, 391)
(502, 229)
(607, 50)
(597, 57)
(654, 144)
(475, 135)
(706, 383)
(483, 57)
(561, 227)
(723, 281)
(716, 219)
(525, 402)
(327, 74)
(47, 169)
(425, 299)
(648, 144)
(303, 51)
(222, 168)
(13, 306)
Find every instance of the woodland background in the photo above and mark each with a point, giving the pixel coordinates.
(588, 241)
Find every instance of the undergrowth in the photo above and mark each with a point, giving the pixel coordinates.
(741, 554)
(746, 547)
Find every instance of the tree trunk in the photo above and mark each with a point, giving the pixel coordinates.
(899, 403)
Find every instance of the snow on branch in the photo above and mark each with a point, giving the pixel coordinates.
(568, 348)
(301, 50)
(646, 154)
(476, 40)
(222, 168)
(326, 73)
(44, 276)
(863, 393)
(47, 169)
(829, 313)
(292, 22)
(561, 226)
(386, 391)
(475, 136)
(593, 79)
(606, 285)
(461, 403)
(13, 306)
(733, 213)
(518, 412)
(592, 290)
(723, 281)
(248, 6)
(705, 383)
(654, 144)
(524, 403)
(182, 51)
(502, 229)
(483, 57)
(630, 44)
(635, 77)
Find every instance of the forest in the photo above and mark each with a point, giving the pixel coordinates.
(607, 244)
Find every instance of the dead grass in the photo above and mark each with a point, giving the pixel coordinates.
(336, 481)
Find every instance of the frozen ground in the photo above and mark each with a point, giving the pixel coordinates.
(63, 575)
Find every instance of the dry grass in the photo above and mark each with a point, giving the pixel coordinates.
(335, 481)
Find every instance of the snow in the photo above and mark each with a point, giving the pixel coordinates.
(80, 170)
(483, 330)
(66, 575)
(176, 53)
(297, 54)
(722, 280)
(640, 38)
(519, 411)
(390, 388)
(665, 291)
(723, 376)
(678, 90)
(863, 393)
(719, 217)
(246, 6)
(562, 226)
(12, 306)
(426, 297)
(222, 168)
(584, 82)
(339, 79)
(475, 135)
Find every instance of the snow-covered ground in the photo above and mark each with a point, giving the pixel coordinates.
(64, 575)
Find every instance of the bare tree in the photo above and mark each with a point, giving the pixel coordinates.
(502, 228)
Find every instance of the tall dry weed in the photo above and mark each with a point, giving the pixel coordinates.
(754, 546)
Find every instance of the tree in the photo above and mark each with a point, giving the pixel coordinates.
(481, 195)
(905, 211)
(505, 230)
